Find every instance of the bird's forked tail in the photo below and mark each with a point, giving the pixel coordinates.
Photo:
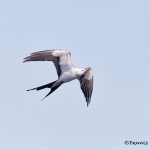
(49, 85)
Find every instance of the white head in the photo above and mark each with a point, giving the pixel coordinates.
(80, 72)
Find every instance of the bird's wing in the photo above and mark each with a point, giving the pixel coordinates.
(60, 58)
(86, 83)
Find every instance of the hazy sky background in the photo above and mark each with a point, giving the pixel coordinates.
(112, 37)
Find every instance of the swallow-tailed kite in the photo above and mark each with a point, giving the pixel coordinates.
(65, 70)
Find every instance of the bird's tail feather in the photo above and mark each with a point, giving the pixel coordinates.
(52, 90)
(49, 85)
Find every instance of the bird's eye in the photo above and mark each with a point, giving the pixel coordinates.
(82, 70)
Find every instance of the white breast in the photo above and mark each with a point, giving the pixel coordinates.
(69, 75)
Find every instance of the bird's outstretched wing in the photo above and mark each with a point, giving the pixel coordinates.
(86, 83)
(60, 58)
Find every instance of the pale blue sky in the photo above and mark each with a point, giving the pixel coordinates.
(112, 37)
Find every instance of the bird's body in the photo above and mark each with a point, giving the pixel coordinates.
(73, 73)
(65, 70)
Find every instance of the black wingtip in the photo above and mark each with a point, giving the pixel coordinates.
(25, 60)
(88, 100)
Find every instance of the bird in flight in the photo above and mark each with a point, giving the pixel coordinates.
(65, 70)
